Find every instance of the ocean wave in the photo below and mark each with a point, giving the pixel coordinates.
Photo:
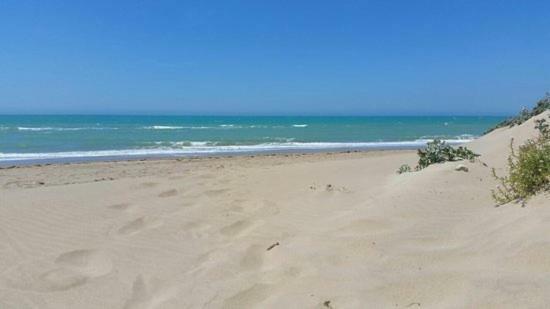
(176, 127)
(232, 126)
(63, 129)
(223, 126)
(163, 127)
(206, 148)
(45, 129)
(280, 139)
(185, 144)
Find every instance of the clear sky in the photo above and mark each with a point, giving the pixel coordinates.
(273, 57)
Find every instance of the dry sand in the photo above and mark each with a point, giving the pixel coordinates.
(285, 231)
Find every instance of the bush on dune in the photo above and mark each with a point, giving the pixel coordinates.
(529, 169)
(405, 168)
(438, 151)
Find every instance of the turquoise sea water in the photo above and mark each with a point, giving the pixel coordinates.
(73, 137)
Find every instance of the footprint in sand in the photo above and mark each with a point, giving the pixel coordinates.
(248, 298)
(120, 206)
(148, 295)
(367, 226)
(197, 229)
(176, 177)
(237, 228)
(168, 193)
(212, 193)
(237, 205)
(137, 225)
(253, 257)
(207, 176)
(149, 184)
(68, 270)
(270, 208)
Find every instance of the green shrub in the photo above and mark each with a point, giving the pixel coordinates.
(438, 151)
(529, 169)
(525, 114)
(543, 128)
(405, 168)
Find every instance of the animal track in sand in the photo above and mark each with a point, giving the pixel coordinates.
(237, 228)
(168, 193)
(68, 270)
(148, 295)
(137, 225)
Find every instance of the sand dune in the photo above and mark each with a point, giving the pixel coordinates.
(286, 231)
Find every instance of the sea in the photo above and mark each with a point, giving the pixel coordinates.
(73, 138)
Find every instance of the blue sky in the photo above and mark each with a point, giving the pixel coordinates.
(273, 57)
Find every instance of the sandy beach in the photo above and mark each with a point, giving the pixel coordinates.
(339, 230)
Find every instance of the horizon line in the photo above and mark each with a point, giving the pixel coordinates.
(253, 115)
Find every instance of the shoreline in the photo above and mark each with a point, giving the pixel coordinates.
(116, 159)
(44, 175)
(110, 169)
(383, 146)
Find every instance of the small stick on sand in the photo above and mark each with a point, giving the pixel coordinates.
(273, 246)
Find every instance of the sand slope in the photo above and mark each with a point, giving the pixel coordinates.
(312, 231)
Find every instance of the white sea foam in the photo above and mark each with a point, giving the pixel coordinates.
(63, 129)
(232, 126)
(39, 129)
(176, 127)
(163, 127)
(201, 148)
(187, 144)
(221, 126)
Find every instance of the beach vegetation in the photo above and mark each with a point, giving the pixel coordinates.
(438, 151)
(405, 168)
(528, 169)
(525, 114)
